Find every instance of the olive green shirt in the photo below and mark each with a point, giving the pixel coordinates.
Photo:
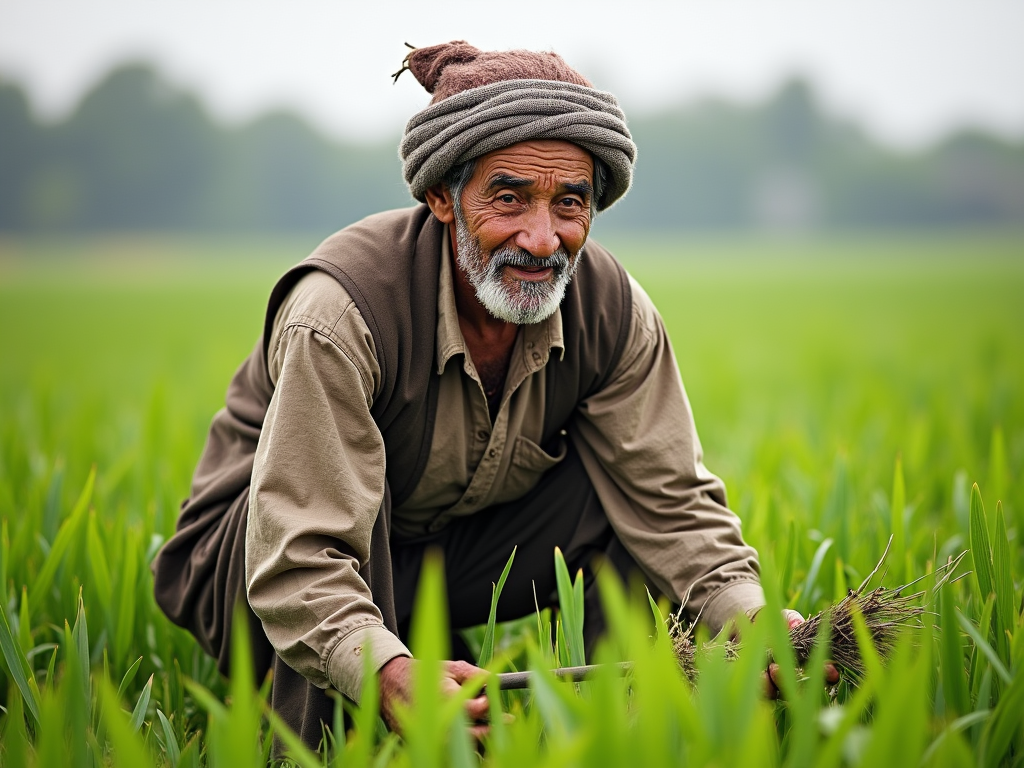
(318, 479)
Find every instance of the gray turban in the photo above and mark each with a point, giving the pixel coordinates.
(480, 120)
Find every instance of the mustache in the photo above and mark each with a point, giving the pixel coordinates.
(512, 256)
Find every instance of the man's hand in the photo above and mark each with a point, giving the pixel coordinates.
(396, 686)
(772, 675)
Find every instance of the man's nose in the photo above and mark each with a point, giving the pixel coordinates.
(538, 235)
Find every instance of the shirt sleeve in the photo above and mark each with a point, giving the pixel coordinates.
(317, 484)
(638, 442)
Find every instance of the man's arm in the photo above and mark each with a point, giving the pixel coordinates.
(317, 485)
(638, 442)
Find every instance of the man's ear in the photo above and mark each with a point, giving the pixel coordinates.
(440, 200)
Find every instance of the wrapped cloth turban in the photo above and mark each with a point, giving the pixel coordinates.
(485, 101)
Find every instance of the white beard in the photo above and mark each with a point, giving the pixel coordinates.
(522, 302)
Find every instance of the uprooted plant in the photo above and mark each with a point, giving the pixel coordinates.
(884, 612)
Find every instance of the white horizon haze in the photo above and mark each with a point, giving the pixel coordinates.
(909, 71)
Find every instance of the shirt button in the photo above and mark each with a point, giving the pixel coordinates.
(529, 345)
(536, 356)
(357, 650)
(482, 435)
(492, 453)
(470, 499)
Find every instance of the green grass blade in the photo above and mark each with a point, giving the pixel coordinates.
(997, 466)
(777, 633)
(139, 713)
(128, 677)
(232, 742)
(659, 620)
(24, 623)
(126, 597)
(789, 564)
(423, 724)
(69, 532)
(296, 750)
(578, 601)
(170, 740)
(957, 726)
(561, 645)
(129, 749)
(487, 647)
(981, 551)
(80, 637)
(803, 738)
(899, 503)
(365, 718)
(900, 729)
(16, 740)
(213, 706)
(99, 567)
(17, 665)
(460, 747)
(1007, 721)
(984, 625)
(50, 668)
(570, 611)
(1003, 584)
(812, 576)
(190, 754)
(982, 645)
(5, 556)
(954, 676)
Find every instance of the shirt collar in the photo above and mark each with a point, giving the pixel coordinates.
(545, 335)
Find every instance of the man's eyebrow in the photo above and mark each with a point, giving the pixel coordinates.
(504, 180)
(581, 188)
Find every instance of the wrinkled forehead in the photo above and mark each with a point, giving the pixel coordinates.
(544, 162)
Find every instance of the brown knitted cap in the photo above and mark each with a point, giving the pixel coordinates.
(450, 68)
(484, 101)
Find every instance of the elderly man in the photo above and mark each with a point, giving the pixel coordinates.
(470, 374)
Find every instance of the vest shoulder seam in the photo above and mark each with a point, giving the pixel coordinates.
(318, 328)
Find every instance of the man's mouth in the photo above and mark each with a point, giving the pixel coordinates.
(530, 274)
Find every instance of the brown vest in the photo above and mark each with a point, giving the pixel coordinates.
(389, 264)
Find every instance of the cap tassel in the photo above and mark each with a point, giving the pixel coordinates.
(405, 63)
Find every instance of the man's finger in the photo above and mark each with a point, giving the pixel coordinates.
(793, 618)
(771, 692)
(478, 709)
(831, 674)
(461, 671)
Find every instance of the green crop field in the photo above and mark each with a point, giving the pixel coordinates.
(848, 390)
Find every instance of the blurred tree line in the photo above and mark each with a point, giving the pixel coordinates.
(138, 154)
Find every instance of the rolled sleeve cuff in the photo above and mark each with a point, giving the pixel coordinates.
(345, 664)
(731, 601)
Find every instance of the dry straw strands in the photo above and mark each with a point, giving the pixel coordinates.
(884, 612)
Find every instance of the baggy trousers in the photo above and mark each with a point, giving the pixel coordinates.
(561, 511)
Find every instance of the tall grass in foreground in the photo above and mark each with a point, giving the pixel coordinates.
(844, 401)
(937, 701)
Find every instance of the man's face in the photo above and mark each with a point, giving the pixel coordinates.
(523, 220)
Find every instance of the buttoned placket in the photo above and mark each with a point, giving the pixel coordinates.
(532, 356)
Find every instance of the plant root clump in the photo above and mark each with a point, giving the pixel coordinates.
(884, 612)
(687, 650)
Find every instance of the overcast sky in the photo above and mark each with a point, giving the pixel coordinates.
(909, 70)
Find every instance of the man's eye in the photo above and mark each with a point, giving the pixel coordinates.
(507, 198)
(571, 202)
